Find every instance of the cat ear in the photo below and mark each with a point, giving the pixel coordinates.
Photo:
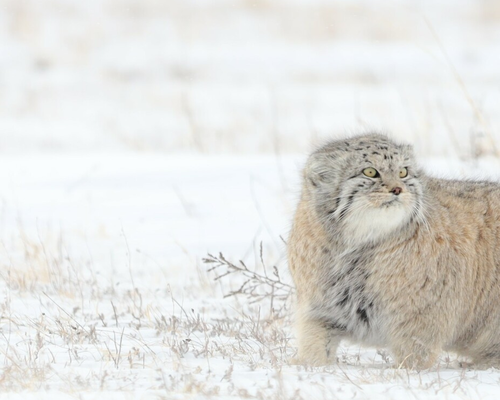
(317, 170)
(323, 166)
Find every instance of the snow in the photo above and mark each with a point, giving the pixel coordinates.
(136, 138)
(104, 292)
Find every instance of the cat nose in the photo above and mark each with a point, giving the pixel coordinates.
(397, 190)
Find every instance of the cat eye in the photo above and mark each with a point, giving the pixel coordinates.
(403, 172)
(371, 172)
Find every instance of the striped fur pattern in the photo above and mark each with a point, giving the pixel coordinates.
(416, 271)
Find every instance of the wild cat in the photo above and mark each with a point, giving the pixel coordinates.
(384, 255)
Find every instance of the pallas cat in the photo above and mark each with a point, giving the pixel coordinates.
(384, 255)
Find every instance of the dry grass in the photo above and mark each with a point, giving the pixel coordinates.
(65, 328)
(57, 319)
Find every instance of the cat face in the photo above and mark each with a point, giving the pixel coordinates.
(365, 188)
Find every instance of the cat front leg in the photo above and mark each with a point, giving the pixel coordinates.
(317, 342)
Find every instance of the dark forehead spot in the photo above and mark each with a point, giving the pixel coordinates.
(374, 152)
(358, 149)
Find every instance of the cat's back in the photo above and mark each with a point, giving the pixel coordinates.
(466, 214)
(465, 196)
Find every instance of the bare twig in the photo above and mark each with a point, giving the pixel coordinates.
(256, 286)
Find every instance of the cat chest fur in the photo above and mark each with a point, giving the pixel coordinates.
(348, 304)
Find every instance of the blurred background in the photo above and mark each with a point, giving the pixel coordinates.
(247, 76)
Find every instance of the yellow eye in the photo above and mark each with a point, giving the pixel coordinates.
(370, 172)
(403, 172)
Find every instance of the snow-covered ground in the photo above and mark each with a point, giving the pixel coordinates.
(103, 292)
(138, 137)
